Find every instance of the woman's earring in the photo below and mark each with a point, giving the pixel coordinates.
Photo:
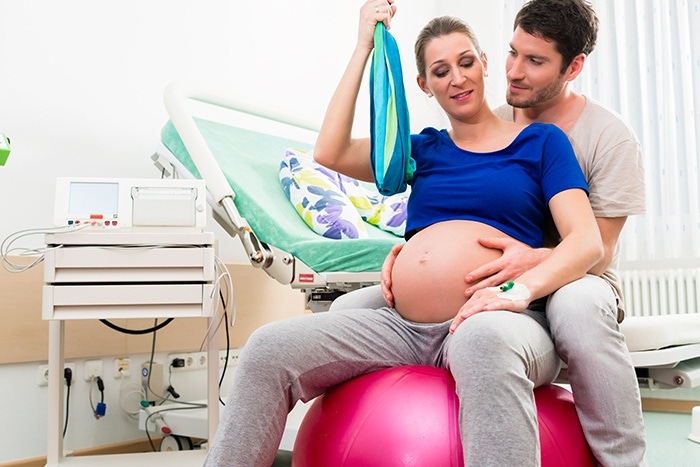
(430, 94)
(486, 73)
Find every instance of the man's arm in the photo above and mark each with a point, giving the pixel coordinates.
(610, 229)
(515, 259)
(518, 257)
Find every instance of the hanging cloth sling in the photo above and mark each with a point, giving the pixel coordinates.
(390, 138)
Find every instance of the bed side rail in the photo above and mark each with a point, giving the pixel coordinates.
(176, 97)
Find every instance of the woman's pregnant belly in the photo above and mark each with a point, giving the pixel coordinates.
(428, 275)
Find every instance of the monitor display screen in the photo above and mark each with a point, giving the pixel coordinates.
(87, 198)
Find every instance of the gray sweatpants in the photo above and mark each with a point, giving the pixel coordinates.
(496, 358)
(582, 317)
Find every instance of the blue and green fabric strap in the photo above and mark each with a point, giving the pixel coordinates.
(390, 136)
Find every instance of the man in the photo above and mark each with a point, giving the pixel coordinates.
(550, 43)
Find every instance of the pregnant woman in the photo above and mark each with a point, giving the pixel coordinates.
(482, 177)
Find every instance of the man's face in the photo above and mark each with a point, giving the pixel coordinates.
(533, 70)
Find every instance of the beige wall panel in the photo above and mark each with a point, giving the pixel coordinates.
(24, 335)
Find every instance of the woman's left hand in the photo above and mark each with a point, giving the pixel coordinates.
(371, 13)
(487, 300)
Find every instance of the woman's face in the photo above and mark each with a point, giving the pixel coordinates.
(454, 74)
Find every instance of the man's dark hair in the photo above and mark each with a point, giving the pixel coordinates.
(571, 24)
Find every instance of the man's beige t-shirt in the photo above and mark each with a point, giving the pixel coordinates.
(611, 159)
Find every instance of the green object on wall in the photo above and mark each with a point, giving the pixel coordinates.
(4, 148)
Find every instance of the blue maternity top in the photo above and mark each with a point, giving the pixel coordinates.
(508, 189)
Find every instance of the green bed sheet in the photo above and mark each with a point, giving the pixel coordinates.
(250, 161)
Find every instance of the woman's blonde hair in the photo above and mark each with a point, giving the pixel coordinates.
(437, 27)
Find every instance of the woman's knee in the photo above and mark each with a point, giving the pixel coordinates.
(366, 297)
(502, 345)
(583, 307)
(486, 338)
(268, 345)
(581, 298)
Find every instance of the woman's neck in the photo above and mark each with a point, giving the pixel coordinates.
(485, 133)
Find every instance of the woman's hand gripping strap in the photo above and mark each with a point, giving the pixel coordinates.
(390, 138)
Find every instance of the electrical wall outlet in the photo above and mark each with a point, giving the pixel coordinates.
(187, 361)
(182, 362)
(122, 367)
(93, 370)
(198, 360)
(233, 355)
(42, 374)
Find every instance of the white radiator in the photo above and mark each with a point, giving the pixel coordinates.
(662, 324)
(659, 292)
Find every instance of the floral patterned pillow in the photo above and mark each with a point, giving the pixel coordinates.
(336, 206)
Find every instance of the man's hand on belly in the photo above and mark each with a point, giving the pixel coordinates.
(516, 259)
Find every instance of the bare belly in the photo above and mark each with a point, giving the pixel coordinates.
(428, 275)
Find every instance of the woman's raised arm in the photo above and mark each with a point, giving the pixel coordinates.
(335, 147)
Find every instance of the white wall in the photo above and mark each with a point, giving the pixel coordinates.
(81, 95)
(23, 432)
(82, 81)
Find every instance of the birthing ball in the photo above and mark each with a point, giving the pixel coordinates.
(409, 416)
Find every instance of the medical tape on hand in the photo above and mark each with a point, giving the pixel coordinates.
(512, 291)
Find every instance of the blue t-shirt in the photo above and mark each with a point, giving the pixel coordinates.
(507, 189)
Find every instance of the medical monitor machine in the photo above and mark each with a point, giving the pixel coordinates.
(129, 248)
(136, 204)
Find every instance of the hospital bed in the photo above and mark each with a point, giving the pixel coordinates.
(239, 158)
(237, 148)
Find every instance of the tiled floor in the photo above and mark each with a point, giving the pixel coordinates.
(667, 436)
(667, 440)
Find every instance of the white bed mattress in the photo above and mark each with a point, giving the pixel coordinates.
(658, 332)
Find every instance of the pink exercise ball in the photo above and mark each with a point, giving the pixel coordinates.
(409, 416)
